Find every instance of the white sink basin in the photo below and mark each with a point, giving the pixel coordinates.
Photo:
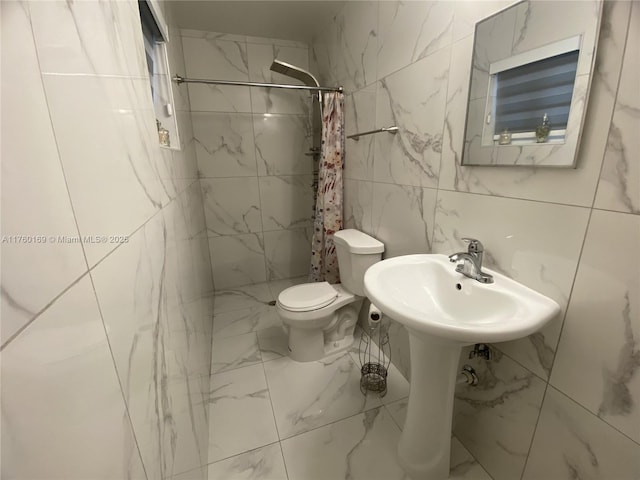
(427, 295)
(443, 310)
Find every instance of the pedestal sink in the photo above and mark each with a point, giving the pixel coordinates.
(443, 311)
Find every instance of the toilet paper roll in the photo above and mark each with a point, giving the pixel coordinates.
(375, 315)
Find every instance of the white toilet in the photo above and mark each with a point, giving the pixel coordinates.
(320, 318)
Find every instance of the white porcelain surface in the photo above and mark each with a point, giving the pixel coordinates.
(261, 463)
(361, 447)
(525, 246)
(237, 260)
(570, 441)
(228, 213)
(32, 176)
(240, 416)
(224, 144)
(420, 291)
(54, 377)
(605, 304)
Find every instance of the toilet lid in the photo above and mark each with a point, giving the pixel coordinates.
(308, 296)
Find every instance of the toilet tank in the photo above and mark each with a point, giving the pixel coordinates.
(356, 251)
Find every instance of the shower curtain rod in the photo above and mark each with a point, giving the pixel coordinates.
(179, 80)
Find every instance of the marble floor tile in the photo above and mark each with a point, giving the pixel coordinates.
(362, 447)
(264, 463)
(247, 320)
(229, 299)
(234, 352)
(240, 415)
(273, 343)
(312, 394)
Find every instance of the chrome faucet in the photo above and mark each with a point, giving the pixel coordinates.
(470, 262)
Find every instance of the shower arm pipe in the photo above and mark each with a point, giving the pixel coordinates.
(393, 130)
(180, 80)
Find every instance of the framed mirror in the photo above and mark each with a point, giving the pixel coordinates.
(530, 76)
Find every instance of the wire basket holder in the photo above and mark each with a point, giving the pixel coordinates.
(374, 354)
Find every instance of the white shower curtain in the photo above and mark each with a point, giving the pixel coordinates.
(328, 217)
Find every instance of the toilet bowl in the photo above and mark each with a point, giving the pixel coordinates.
(320, 318)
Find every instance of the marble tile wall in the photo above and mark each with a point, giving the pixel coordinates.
(105, 344)
(547, 402)
(250, 145)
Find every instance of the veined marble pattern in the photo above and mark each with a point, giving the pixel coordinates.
(282, 142)
(265, 463)
(54, 377)
(110, 122)
(229, 353)
(227, 59)
(89, 38)
(247, 320)
(572, 443)
(469, 12)
(31, 176)
(360, 116)
(619, 187)
(240, 298)
(346, 52)
(224, 144)
(273, 100)
(414, 100)
(240, 417)
(227, 212)
(308, 395)
(602, 328)
(496, 419)
(287, 253)
(357, 203)
(287, 202)
(141, 288)
(543, 184)
(409, 31)
(403, 218)
(368, 440)
(237, 260)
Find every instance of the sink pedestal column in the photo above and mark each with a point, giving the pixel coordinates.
(425, 444)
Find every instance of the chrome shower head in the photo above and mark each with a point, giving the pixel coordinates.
(294, 72)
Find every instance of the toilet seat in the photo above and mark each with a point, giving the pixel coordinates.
(307, 297)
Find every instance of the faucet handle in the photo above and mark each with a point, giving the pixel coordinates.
(475, 246)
